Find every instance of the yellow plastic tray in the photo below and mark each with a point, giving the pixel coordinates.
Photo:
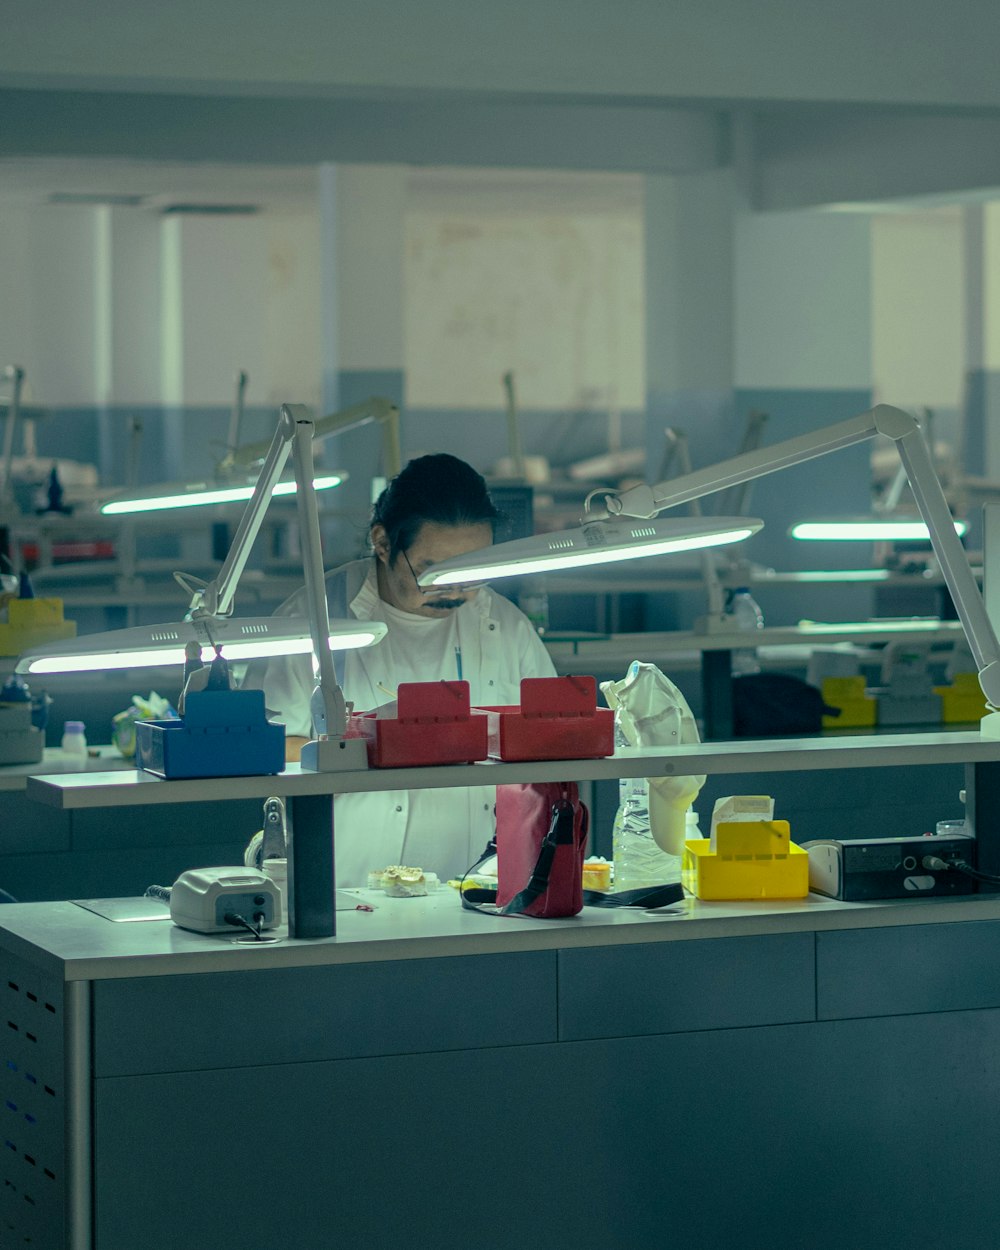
(753, 859)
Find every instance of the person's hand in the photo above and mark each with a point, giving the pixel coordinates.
(293, 749)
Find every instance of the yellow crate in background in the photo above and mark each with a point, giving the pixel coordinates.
(32, 622)
(963, 701)
(856, 708)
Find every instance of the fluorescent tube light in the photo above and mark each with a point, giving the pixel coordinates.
(242, 638)
(199, 494)
(868, 529)
(595, 542)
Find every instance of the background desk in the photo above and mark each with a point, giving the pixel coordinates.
(48, 854)
(780, 648)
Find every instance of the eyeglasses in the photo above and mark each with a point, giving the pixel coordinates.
(461, 588)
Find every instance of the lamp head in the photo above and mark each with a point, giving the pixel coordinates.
(601, 541)
(242, 638)
(201, 494)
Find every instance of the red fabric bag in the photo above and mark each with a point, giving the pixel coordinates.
(541, 843)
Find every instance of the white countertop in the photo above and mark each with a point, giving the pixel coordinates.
(745, 755)
(74, 944)
(56, 761)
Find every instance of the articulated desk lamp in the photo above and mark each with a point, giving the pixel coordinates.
(617, 538)
(209, 620)
(382, 411)
(236, 474)
(209, 623)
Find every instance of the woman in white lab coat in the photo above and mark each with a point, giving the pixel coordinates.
(437, 507)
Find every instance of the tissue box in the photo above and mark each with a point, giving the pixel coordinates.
(557, 719)
(433, 725)
(753, 859)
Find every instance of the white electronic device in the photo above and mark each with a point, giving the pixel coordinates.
(202, 898)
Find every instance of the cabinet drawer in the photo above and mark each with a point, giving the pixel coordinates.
(913, 968)
(238, 1019)
(678, 986)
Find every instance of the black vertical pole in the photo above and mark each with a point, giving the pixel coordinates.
(312, 911)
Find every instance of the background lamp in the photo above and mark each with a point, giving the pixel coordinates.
(200, 494)
(902, 428)
(600, 541)
(874, 529)
(382, 411)
(236, 474)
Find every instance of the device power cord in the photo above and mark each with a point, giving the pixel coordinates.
(241, 922)
(934, 863)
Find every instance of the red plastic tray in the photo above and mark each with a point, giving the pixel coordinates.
(558, 719)
(433, 725)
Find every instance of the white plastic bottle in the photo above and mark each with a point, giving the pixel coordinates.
(74, 739)
(277, 870)
(638, 861)
(748, 617)
(533, 601)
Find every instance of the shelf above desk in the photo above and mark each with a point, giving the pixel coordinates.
(814, 634)
(128, 789)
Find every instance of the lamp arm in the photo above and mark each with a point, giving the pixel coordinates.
(236, 416)
(677, 442)
(16, 375)
(902, 428)
(513, 428)
(958, 576)
(334, 709)
(375, 409)
(647, 501)
(216, 599)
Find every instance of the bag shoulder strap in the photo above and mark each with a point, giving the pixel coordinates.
(647, 897)
(560, 833)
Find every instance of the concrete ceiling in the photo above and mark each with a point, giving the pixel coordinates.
(230, 100)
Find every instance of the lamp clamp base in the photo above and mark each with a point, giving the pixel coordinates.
(334, 755)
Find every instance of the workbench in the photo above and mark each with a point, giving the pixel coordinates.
(807, 1073)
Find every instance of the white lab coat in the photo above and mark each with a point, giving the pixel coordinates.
(442, 831)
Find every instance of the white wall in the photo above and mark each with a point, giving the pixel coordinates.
(123, 306)
(49, 260)
(551, 291)
(249, 298)
(802, 303)
(918, 309)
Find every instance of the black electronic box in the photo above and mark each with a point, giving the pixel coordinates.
(856, 869)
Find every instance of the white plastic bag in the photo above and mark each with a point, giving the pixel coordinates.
(652, 712)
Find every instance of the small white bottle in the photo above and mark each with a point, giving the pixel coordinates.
(277, 870)
(74, 739)
(748, 618)
(533, 600)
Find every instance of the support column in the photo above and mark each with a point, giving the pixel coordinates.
(689, 327)
(362, 249)
(981, 442)
(803, 355)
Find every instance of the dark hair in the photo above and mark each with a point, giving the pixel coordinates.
(438, 488)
